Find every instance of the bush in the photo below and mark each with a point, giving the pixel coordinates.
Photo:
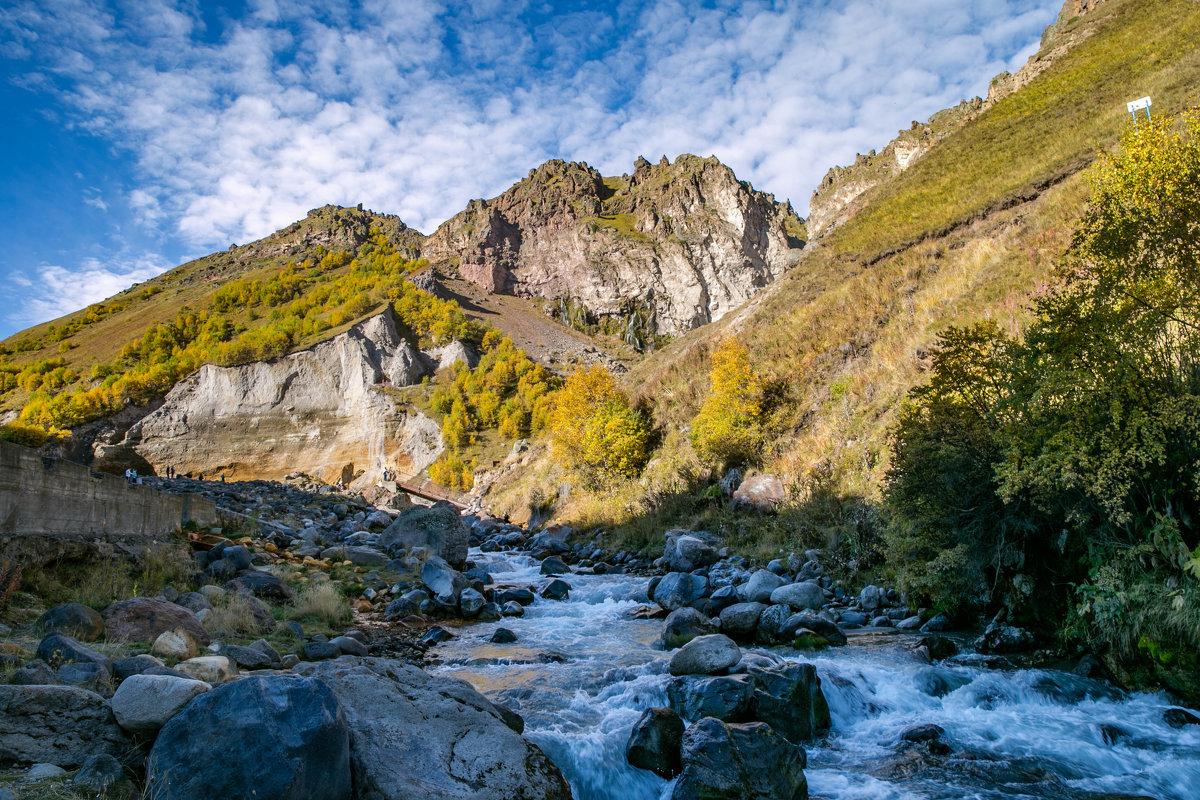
(596, 431)
(728, 427)
(1048, 465)
(453, 472)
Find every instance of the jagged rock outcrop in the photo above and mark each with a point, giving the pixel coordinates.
(679, 244)
(325, 409)
(840, 195)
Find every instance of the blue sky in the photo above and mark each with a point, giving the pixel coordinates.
(141, 133)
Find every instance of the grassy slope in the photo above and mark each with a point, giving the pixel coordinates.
(842, 335)
(189, 285)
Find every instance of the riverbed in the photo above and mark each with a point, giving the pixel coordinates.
(581, 672)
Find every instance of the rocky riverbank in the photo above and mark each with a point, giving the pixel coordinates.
(311, 640)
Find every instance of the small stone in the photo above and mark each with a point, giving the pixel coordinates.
(557, 589)
(503, 636)
(349, 646)
(705, 655)
(144, 703)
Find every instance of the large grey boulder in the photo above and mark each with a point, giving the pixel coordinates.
(800, 596)
(438, 527)
(655, 741)
(788, 697)
(60, 725)
(442, 579)
(760, 493)
(143, 619)
(277, 737)
(726, 697)
(75, 620)
(415, 735)
(679, 589)
(686, 551)
(58, 649)
(807, 620)
(714, 654)
(748, 761)
(758, 589)
(143, 703)
(740, 620)
(684, 624)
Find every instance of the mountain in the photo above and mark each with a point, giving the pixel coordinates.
(682, 242)
(283, 352)
(957, 220)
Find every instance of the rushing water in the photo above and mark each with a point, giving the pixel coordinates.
(581, 672)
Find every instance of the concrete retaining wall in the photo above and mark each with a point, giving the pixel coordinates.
(50, 499)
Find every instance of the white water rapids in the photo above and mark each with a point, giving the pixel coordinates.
(1016, 734)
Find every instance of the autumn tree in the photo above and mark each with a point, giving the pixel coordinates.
(728, 427)
(596, 430)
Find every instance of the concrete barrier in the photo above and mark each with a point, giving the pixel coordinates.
(46, 500)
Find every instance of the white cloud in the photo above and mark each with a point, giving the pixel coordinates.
(416, 111)
(52, 290)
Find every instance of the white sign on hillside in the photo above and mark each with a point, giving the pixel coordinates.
(1141, 104)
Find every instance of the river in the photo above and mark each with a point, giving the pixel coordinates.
(581, 672)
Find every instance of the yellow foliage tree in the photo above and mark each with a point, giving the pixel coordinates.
(728, 427)
(595, 430)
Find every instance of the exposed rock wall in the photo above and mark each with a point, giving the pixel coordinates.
(685, 241)
(324, 410)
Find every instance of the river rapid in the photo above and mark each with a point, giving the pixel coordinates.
(581, 672)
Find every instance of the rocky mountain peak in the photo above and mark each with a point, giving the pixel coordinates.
(682, 241)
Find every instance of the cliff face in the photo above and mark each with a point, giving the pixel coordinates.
(840, 195)
(685, 242)
(324, 410)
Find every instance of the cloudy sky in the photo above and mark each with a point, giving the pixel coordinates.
(140, 133)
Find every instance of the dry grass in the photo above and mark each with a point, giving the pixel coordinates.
(321, 602)
(233, 618)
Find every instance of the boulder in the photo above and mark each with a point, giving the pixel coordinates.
(870, 598)
(800, 596)
(807, 620)
(937, 623)
(441, 578)
(143, 703)
(256, 583)
(512, 608)
(86, 675)
(210, 669)
(277, 737)
(739, 761)
(726, 697)
(998, 639)
(557, 589)
(759, 493)
(502, 636)
(75, 620)
(142, 619)
(521, 596)
(679, 589)
(58, 649)
(788, 697)
(194, 601)
(553, 565)
(655, 742)
(60, 725)
(771, 624)
(359, 555)
(714, 654)
(438, 527)
(760, 586)
(686, 551)
(684, 624)
(416, 735)
(471, 602)
(176, 645)
(99, 775)
(249, 657)
(740, 620)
